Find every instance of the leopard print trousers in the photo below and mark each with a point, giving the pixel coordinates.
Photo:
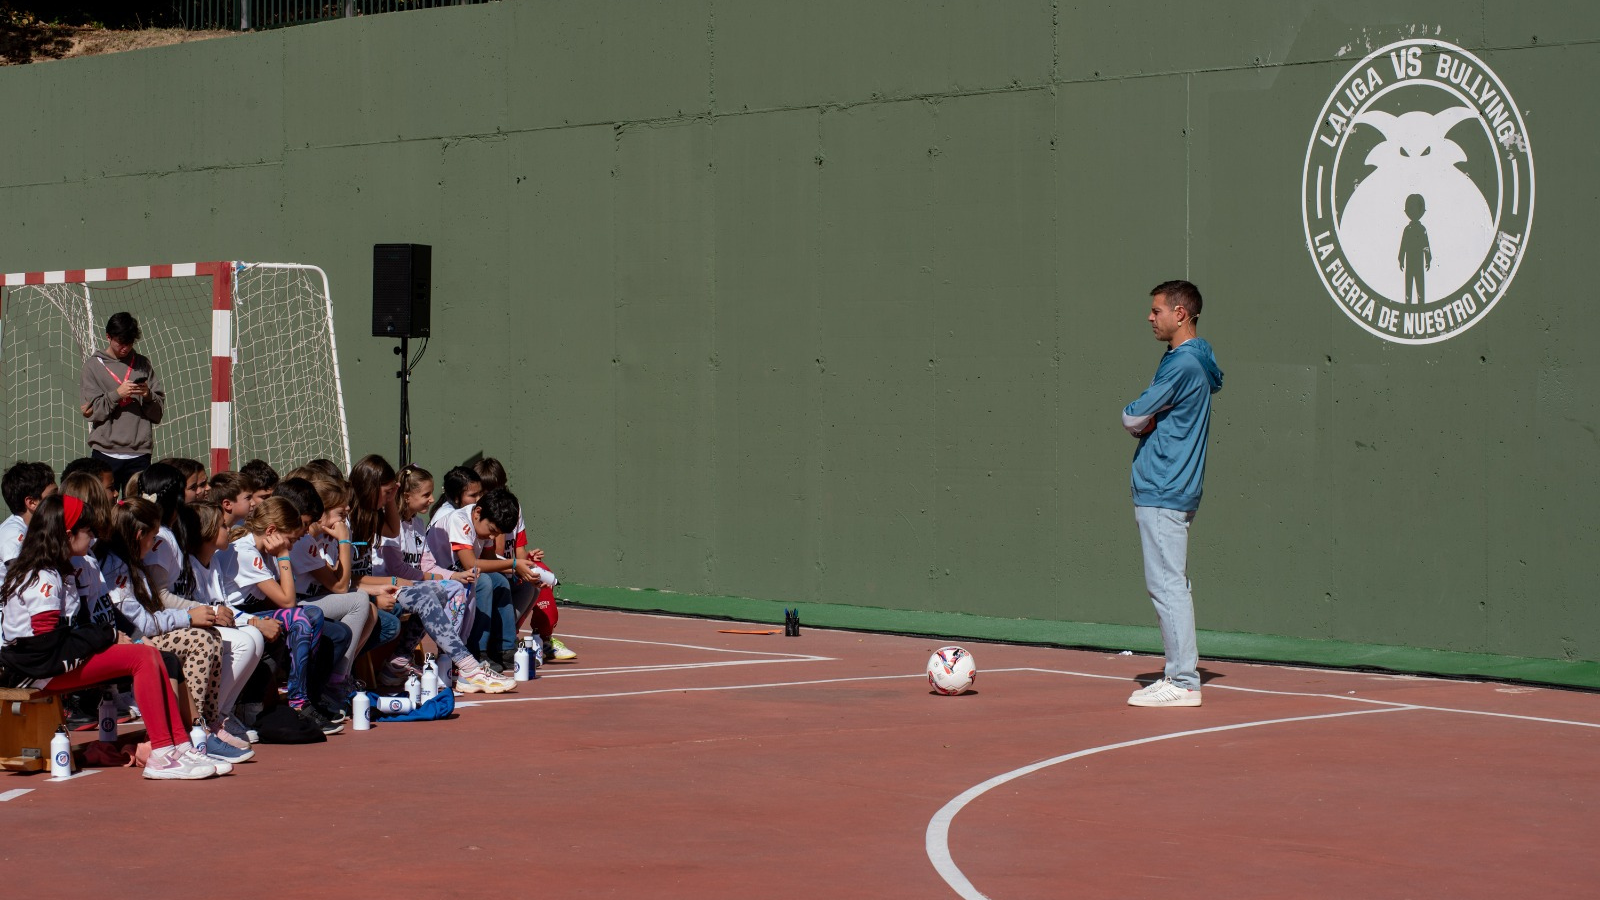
(200, 650)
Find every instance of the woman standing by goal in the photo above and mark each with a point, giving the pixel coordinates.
(123, 401)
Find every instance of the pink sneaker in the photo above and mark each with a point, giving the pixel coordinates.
(167, 764)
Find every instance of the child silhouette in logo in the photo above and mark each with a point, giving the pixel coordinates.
(1416, 257)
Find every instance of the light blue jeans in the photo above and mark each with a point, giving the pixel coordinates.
(1164, 534)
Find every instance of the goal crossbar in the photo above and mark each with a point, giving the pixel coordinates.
(224, 284)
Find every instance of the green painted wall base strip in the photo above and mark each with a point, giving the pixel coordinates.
(1141, 639)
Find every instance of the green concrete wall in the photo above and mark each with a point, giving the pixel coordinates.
(839, 301)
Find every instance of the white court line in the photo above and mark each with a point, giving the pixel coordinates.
(694, 690)
(12, 795)
(590, 637)
(85, 773)
(670, 667)
(937, 843)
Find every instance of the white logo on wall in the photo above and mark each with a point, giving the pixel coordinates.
(1418, 192)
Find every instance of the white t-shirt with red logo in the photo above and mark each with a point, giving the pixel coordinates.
(251, 569)
(12, 531)
(166, 559)
(309, 554)
(34, 610)
(119, 588)
(457, 532)
(218, 583)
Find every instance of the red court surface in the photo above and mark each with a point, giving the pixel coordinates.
(675, 761)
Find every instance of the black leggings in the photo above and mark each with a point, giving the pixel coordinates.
(123, 469)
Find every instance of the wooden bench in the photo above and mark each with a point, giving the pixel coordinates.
(28, 720)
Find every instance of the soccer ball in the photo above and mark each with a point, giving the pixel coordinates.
(951, 670)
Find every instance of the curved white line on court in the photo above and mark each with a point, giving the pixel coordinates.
(938, 839)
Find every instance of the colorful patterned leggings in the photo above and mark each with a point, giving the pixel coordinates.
(442, 609)
(302, 626)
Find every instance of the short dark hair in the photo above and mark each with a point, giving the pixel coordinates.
(327, 467)
(25, 481)
(228, 485)
(492, 473)
(188, 467)
(257, 470)
(500, 506)
(456, 481)
(303, 494)
(1179, 293)
(123, 327)
(90, 464)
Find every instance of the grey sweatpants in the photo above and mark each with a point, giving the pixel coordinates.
(354, 610)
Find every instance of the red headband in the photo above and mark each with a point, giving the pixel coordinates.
(72, 507)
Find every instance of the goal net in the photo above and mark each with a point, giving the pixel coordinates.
(244, 352)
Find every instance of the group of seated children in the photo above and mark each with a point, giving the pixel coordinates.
(238, 579)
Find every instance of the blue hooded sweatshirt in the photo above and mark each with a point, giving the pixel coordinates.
(1169, 467)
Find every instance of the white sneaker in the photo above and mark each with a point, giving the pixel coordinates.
(172, 765)
(481, 681)
(1164, 693)
(222, 766)
(559, 652)
(1150, 687)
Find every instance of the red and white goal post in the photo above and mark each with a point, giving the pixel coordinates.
(244, 352)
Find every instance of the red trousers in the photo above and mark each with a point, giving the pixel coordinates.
(545, 613)
(542, 616)
(151, 691)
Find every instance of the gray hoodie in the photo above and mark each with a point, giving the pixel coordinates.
(120, 426)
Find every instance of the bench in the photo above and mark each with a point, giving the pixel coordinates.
(28, 720)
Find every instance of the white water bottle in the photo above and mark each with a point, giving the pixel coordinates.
(413, 690)
(61, 754)
(394, 706)
(197, 736)
(108, 716)
(523, 669)
(361, 709)
(430, 678)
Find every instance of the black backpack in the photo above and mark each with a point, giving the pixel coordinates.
(282, 725)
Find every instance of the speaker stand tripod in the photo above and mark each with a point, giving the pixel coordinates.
(403, 351)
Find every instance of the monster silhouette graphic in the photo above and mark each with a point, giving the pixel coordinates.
(1416, 158)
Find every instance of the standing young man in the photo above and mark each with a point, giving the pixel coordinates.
(123, 401)
(1172, 419)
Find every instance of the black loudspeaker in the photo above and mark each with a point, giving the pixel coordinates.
(402, 289)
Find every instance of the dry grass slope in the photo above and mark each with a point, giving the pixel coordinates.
(44, 42)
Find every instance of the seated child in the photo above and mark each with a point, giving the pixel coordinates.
(24, 486)
(535, 600)
(45, 649)
(186, 633)
(438, 605)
